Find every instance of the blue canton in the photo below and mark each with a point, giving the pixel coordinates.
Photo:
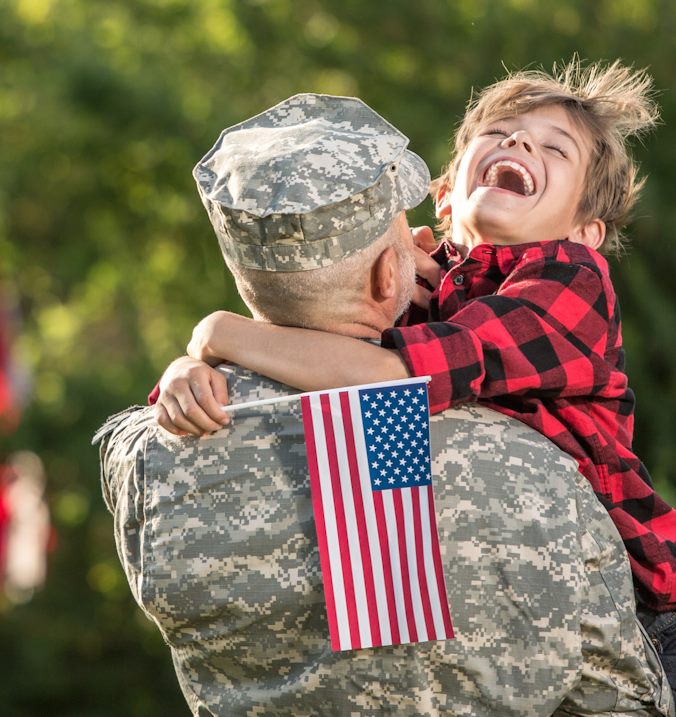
(397, 433)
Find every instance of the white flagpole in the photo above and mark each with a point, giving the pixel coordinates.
(231, 408)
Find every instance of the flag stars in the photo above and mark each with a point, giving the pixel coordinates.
(396, 436)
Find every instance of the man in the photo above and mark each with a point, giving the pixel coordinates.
(216, 534)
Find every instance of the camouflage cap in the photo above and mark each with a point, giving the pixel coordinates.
(307, 183)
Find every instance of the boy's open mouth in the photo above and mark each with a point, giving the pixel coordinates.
(512, 176)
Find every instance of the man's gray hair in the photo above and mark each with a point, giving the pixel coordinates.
(320, 298)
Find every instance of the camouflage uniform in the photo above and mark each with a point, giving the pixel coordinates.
(216, 535)
(307, 183)
(217, 540)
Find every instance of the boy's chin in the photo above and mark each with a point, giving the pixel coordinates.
(495, 230)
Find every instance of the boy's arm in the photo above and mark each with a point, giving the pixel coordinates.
(306, 359)
(312, 360)
(544, 333)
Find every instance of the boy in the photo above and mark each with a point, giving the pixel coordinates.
(523, 316)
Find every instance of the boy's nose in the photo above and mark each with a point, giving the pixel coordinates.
(520, 137)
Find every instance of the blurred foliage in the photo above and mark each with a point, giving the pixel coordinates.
(104, 109)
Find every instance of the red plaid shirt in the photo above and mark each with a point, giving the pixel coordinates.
(533, 331)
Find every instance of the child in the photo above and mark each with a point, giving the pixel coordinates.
(523, 316)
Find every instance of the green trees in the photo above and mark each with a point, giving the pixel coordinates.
(104, 109)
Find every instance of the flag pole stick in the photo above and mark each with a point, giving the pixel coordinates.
(231, 408)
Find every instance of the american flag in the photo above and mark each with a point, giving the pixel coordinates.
(369, 459)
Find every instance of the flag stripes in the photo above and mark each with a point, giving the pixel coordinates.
(379, 551)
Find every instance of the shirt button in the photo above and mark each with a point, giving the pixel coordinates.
(458, 279)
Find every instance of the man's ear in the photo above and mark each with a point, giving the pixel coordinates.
(442, 203)
(385, 276)
(591, 234)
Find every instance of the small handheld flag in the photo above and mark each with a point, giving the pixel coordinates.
(371, 482)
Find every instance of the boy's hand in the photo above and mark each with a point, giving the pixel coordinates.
(423, 237)
(191, 395)
(425, 267)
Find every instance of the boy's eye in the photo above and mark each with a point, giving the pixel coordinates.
(557, 149)
(496, 130)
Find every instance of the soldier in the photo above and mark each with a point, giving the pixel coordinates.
(216, 534)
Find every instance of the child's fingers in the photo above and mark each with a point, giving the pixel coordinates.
(192, 402)
(426, 267)
(162, 417)
(170, 416)
(206, 398)
(219, 386)
(423, 237)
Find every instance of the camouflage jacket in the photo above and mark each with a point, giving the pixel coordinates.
(217, 540)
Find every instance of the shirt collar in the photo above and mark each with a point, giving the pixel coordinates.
(505, 256)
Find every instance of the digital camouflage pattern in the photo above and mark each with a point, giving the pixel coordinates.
(307, 183)
(216, 537)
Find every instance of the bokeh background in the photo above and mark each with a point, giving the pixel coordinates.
(108, 255)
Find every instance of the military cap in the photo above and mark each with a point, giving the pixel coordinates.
(307, 183)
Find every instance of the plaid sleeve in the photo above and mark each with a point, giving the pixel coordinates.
(154, 395)
(544, 332)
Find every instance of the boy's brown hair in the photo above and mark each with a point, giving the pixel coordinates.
(612, 102)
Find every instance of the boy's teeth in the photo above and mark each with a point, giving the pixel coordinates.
(494, 171)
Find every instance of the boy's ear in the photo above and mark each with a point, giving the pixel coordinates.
(442, 203)
(591, 234)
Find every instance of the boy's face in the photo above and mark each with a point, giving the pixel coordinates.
(521, 180)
